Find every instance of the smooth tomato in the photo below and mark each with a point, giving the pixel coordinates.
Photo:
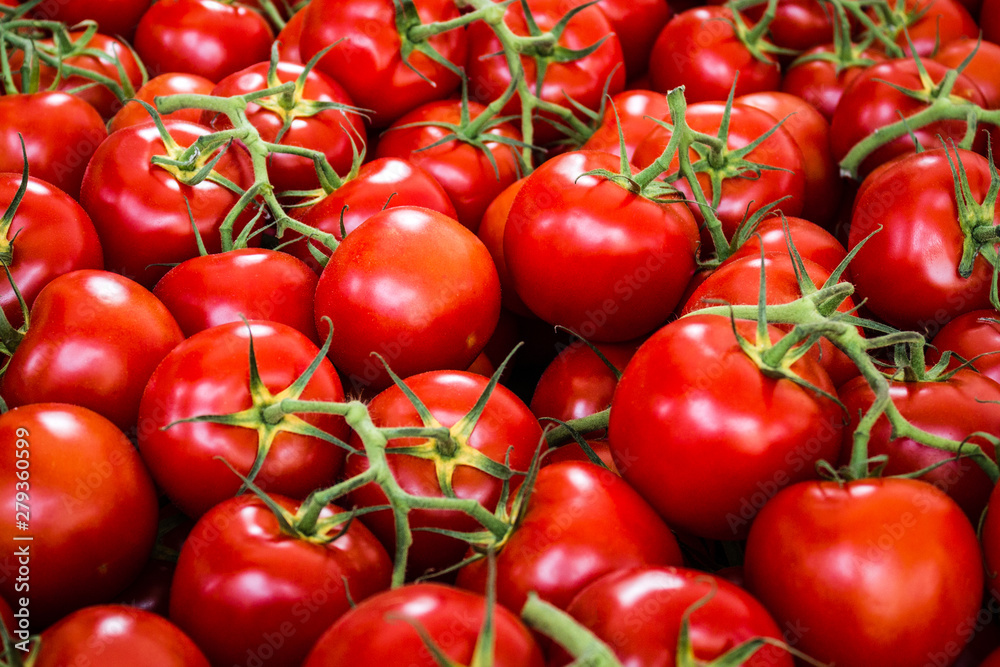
(171, 83)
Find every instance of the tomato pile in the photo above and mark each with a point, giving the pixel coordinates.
(523, 333)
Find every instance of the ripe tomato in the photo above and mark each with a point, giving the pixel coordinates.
(637, 113)
(386, 294)
(95, 338)
(581, 523)
(48, 236)
(114, 17)
(115, 635)
(933, 24)
(490, 232)
(638, 613)
(289, 49)
(820, 81)
(981, 69)
(798, 24)
(989, 20)
(85, 500)
(716, 427)
(586, 253)
(970, 335)
(245, 589)
(452, 620)
(637, 24)
(171, 83)
(208, 374)
(204, 37)
(851, 543)
(811, 241)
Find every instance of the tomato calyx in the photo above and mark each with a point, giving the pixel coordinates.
(755, 38)
(846, 53)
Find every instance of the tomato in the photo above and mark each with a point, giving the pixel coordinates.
(870, 102)
(636, 23)
(204, 37)
(933, 24)
(140, 209)
(586, 253)
(953, 409)
(463, 170)
(811, 241)
(289, 49)
(989, 20)
(60, 131)
(85, 500)
(981, 69)
(637, 113)
(699, 49)
(49, 235)
(798, 24)
(506, 428)
(385, 294)
(490, 232)
(580, 523)
(171, 83)
(897, 540)
(208, 374)
(821, 81)
(638, 612)
(246, 590)
(715, 427)
(918, 250)
(114, 17)
(584, 81)
(379, 184)
(452, 620)
(254, 283)
(970, 335)
(990, 536)
(334, 133)
(367, 61)
(95, 338)
(115, 636)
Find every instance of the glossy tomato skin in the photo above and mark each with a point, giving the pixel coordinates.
(379, 184)
(139, 208)
(464, 171)
(691, 398)
(506, 428)
(208, 374)
(54, 235)
(254, 283)
(61, 133)
(289, 48)
(490, 231)
(915, 199)
(115, 635)
(204, 37)
(585, 253)
(334, 133)
(937, 24)
(849, 544)
(453, 619)
(970, 335)
(638, 613)
(94, 340)
(811, 241)
(698, 49)
(821, 82)
(413, 285)
(981, 69)
(241, 582)
(637, 113)
(368, 62)
(170, 83)
(637, 24)
(582, 521)
(953, 409)
(91, 509)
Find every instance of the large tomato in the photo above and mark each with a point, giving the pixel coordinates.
(694, 417)
(209, 374)
(75, 486)
(94, 340)
(585, 253)
(820, 553)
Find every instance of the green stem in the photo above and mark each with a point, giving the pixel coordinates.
(563, 434)
(556, 624)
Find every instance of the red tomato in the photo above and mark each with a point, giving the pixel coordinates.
(463, 170)
(798, 24)
(699, 49)
(114, 17)
(490, 232)
(289, 49)
(94, 340)
(452, 620)
(931, 24)
(61, 133)
(981, 70)
(897, 540)
(246, 590)
(581, 523)
(139, 208)
(208, 374)
(171, 83)
(204, 37)
(86, 501)
(506, 428)
(367, 61)
(953, 409)
(386, 294)
(49, 235)
(637, 113)
(970, 335)
(917, 252)
(637, 24)
(716, 427)
(334, 133)
(115, 636)
(583, 81)
(811, 241)
(989, 20)
(586, 253)
(638, 613)
(820, 81)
